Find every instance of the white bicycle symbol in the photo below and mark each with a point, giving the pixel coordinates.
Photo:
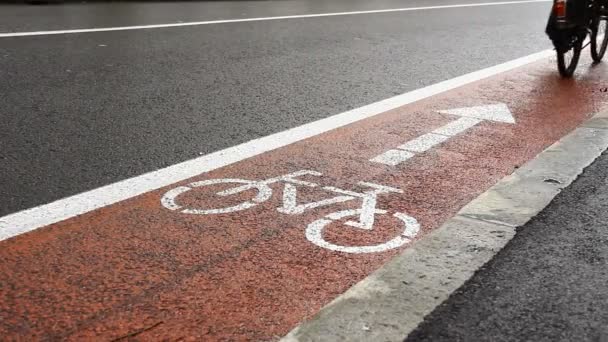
(314, 231)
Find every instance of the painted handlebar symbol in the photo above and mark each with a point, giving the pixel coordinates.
(314, 231)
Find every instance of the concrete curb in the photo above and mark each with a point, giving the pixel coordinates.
(393, 301)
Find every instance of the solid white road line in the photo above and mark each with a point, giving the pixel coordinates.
(197, 23)
(30, 219)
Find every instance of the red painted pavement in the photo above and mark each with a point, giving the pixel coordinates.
(138, 270)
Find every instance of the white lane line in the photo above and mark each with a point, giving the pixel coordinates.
(211, 22)
(30, 219)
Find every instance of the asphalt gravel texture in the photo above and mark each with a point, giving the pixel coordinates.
(84, 110)
(547, 284)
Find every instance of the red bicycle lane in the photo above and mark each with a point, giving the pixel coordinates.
(138, 269)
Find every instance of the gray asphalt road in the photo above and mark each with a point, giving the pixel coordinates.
(80, 111)
(548, 284)
(70, 15)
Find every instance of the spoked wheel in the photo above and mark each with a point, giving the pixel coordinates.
(599, 36)
(568, 60)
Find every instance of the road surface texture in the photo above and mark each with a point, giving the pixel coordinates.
(226, 180)
(84, 110)
(548, 284)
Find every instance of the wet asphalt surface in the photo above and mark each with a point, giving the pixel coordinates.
(548, 284)
(80, 111)
(72, 14)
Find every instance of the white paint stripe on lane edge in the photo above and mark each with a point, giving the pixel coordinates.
(44, 215)
(210, 22)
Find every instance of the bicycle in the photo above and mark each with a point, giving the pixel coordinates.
(569, 24)
(314, 231)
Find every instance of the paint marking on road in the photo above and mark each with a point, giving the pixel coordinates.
(424, 143)
(44, 215)
(301, 16)
(315, 217)
(469, 117)
(393, 301)
(496, 112)
(314, 231)
(393, 157)
(456, 127)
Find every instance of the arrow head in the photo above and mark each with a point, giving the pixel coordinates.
(496, 112)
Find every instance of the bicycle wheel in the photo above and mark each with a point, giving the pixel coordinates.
(568, 60)
(314, 232)
(599, 38)
(169, 200)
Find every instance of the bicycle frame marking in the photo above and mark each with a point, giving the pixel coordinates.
(290, 206)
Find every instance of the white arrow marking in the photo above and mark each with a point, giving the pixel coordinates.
(470, 117)
(496, 112)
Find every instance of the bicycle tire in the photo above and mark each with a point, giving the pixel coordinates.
(566, 70)
(598, 49)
